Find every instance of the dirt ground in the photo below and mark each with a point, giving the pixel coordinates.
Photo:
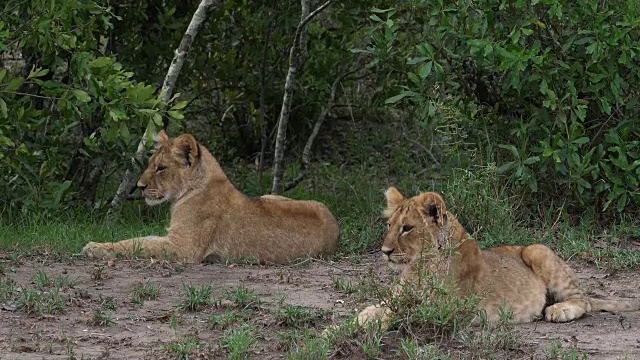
(144, 331)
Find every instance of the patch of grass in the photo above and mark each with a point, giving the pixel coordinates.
(344, 285)
(490, 338)
(243, 297)
(297, 316)
(365, 288)
(107, 302)
(557, 352)
(71, 353)
(612, 249)
(430, 308)
(226, 319)
(8, 289)
(195, 298)
(42, 280)
(144, 291)
(184, 348)
(64, 281)
(102, 318)
(41, 302)
(307, 346)
(238, 342)
(410, 349)
(68, 232)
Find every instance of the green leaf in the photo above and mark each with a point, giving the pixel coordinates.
(506, 167)
(516, 37)
(5, 141)
(81, 95)
(3, 109)
(622, 202)
(36, 73)
(512, 149)
(14, 84)
(417, 60)
(581, 140)
(439, 70)
(101, 62)
(544, 87)
(3, 73)
(531, 160)
(157, 119)
(175, 114)
(117, 114)
(124, 131)
(425, 70)
(402, 95)
(180, 105)
(605, 106)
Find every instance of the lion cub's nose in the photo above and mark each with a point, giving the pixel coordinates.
(387, 251)
(141, 186)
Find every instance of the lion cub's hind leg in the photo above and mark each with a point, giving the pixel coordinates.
(570, 303)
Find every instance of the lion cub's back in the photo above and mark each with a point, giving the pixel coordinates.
(304, 225)
(510, 281)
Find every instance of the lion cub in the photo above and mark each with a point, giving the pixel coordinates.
(422, 230)
(211, 219)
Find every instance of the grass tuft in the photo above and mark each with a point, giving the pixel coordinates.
(144, 291)
(195, 298)
(238, 342)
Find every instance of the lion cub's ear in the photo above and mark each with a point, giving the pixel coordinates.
(394, 199)
(161, 138)
(186, 147)
(435, 206)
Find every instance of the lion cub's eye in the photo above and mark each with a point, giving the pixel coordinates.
(407, 228)
(160, 168)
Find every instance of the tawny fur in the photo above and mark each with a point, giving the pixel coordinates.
(421, 229)
(211, 219)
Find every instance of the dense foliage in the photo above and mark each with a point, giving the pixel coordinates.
(550, 86)
(70, 113)
(544, 89)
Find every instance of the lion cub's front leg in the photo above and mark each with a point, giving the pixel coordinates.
(144, 247)
(369, 315)
(375, 313)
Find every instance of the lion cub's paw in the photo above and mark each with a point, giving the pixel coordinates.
(329, 331)
(562, 312)
(97, 251)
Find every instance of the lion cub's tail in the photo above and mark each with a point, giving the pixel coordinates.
(614, 306)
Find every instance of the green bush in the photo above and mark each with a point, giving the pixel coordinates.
(549, 86)
(70, 114)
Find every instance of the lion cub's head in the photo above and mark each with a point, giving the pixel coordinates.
(416, 226)
(173, 163)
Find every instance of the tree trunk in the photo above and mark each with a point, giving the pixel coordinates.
(306, 152)
(298, 49)
(127, 185)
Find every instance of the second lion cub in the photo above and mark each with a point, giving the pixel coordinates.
(422, 231)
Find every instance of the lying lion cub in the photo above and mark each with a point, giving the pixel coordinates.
(421, 230)
(211, 219)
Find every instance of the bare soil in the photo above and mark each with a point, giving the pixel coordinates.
(146, 331)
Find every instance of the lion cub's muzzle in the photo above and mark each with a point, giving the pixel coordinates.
(152, 196)
(387, 253)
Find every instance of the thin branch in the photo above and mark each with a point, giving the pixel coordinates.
(31, 95)
(283, 120)
(263, 86)
(128, 181)
(306, 152)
